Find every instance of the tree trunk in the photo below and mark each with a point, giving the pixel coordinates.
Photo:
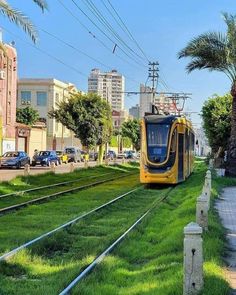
(100, 153)
(231, 161)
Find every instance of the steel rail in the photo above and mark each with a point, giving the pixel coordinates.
(97, 260)
(29, 243)
(5, 210)
(48, 186)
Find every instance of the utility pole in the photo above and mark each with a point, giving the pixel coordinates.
(153, 75)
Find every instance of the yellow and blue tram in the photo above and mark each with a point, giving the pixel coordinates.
(167, 149)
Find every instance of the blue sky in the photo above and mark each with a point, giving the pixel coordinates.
(162, 28)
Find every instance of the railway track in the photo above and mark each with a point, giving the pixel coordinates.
(47, 186)
(46, 198)
(109, 249)
(65, 225)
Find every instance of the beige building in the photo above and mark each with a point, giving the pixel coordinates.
(118, 118)
(43, 95)
(110, 86)
(163, 103)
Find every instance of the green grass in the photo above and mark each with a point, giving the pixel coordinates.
(149, 261)
(48, 266)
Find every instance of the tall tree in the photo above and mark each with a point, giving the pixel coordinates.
(17, 17)
(89, 117)
(217, 52)
(27, 115)
(131, 129)
(216, 120)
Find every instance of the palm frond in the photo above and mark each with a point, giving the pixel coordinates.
(42, 4)
(19, 18)
(207, 51)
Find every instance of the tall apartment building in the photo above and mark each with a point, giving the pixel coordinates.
(163, 103)
(110, 86)
(134, 111)
(8, 90)
(43, 95)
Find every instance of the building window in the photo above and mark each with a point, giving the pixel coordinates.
(41, 99)
(25, 97)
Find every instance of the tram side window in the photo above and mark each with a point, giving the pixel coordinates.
(157, 140)
(173, 142)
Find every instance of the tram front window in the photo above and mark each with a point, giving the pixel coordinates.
(157, 141)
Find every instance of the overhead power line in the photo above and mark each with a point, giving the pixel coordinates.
(94, 36)
(45, 53)
(126, 29)
(100, 17)
(105, 34)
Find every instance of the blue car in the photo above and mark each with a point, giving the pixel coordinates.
(14, 159)
(45, 158)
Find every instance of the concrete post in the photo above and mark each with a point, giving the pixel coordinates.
(106, 161)
(202, 212)
(85, 164)
(123, 160)
(27, 170)
(53, 167)
(207, 193)
(208, 177)
(211, 164)
(72, 167)
(193, 259)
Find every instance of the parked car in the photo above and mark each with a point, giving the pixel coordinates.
(63, 157)
(45, 158)
(74, 154)
(111, 155)
(130, 155)
(14, 159)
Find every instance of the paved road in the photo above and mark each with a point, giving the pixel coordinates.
(226, 206)
(8, 174)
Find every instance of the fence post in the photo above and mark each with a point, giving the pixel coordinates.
(72, 167)
(123, 160)
(208, 178)
(202, 212)
(207, 193)
(53, 167)
(193, 259)
(106, 161)
(27, 170)
(85, 164)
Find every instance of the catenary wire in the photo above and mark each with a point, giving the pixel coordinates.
(95, 37)
(105, 34)
(100, 17)
(128, 31)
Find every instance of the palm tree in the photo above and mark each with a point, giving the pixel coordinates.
(217, 52)
(16, 16)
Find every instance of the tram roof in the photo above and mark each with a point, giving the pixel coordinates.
(160, 119)
(166, 119)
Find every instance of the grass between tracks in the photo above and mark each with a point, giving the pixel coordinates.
(49, 265)
(150, 260)
(20, 226)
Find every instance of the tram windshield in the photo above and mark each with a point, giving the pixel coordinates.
(157, 141)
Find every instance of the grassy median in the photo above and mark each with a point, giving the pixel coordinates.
(149, 261)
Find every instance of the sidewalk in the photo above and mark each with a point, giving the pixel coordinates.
(226, 207)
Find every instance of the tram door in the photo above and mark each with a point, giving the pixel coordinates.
(181, 158)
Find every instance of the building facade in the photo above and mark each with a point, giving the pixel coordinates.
(109, 85)
(118, 118)
(163, 103)
(43, 95)
(8, 94)
(135, 111)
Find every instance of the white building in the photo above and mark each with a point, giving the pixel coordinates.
(43, 95)
(202, 147)
(163, 103)
(110, 86)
